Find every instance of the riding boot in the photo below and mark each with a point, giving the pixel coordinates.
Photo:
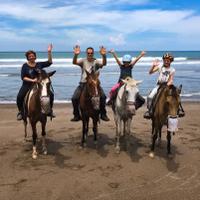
(181, 112)
(19, 116)
(103, 109)
(20, 101)
(76, 112)
(149, 112)
(139, 101)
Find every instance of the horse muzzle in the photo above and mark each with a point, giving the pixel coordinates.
(130, 107)
(45, 104)
(172, 123)
(96, 102)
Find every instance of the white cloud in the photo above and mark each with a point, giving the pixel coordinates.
(117, 40)
(86, 24)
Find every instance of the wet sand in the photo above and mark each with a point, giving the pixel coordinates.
(68, 172)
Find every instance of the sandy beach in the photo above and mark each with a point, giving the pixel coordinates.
(68, 172)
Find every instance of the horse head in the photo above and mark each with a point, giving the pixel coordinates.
(93, 88)
(128, 94)
(44, 86)
(172, 95)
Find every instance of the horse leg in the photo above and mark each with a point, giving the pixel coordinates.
(44, 147)
(95, 131)
(124, 128)
(118, 134)
(154, 137)
(128, 132)
(159, 137)
(34, 136)
(25, 128)
(84, 131)
(169, 144)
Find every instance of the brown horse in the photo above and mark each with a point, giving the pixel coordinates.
(165, 111)
(37, 107)
(90, 105)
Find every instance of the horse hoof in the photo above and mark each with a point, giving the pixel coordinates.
(96, 144)
(34, 156)
(45, 151)
(151, 155)
(159, 143)
(117, 150)
(170, 156)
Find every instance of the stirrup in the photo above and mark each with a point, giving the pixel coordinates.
(105, 118)
(19, 116)
(75, 119)
(181, 114)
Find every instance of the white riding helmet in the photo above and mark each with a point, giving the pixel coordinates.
(127, 58)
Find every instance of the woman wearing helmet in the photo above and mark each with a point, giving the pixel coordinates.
(126, 67)
(166, 75)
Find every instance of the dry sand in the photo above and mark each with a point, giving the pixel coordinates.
(68, 172)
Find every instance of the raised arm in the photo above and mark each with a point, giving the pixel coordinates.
(77, 51)
(138, 58)
(103, 54)
(115, 56)
(155, 66)
(50, 47)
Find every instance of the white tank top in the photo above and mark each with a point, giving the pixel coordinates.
(164, 74)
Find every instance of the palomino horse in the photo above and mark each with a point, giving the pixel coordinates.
(165, 111)
(124, 108)
(90, 105)
(37, 107)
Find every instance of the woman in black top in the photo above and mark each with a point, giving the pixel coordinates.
(28, 76)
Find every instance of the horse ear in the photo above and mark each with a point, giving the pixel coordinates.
(124, 81)
(51, 73)
(97, 74)
(138, 82)
(179, 89)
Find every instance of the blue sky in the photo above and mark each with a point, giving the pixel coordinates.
(122, 25)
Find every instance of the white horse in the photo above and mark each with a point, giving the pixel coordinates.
(124, 109)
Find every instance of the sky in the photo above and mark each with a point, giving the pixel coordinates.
(119, 24)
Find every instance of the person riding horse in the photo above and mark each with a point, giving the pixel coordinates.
(88, 64)
(166, 75)
(126, 67)
(28, 75)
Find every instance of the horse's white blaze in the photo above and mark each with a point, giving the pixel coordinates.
(29, 98)
(132, 91)
(44, 87)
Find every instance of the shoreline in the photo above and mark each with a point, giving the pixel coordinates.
(184, 101)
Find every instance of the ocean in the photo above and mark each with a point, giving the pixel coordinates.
(67, 77)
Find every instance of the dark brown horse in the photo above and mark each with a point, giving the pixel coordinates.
(165, 111)
(90, 105)
(37, 107)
